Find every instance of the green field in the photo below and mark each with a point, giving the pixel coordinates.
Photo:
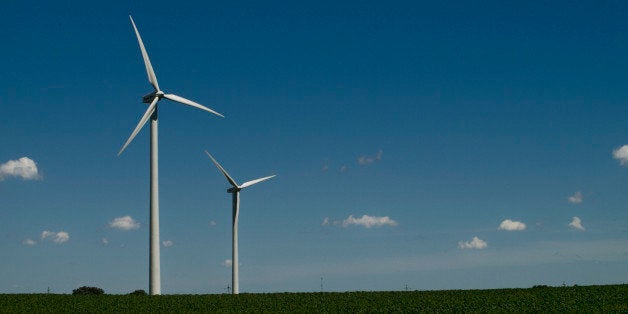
(611, 298)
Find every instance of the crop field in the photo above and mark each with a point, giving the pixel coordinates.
(610, 298)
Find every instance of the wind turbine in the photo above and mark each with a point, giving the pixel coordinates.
(153, 98)
(235, 192)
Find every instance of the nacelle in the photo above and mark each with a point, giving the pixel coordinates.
(148, 98)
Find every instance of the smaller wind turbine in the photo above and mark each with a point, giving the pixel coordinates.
(235, 192)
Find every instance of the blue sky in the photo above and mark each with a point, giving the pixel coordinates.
(403, 134)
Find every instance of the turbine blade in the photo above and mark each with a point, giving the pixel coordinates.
(188, 102)
(249, 183)
(149, 68)
(224, 172)
(139, 126)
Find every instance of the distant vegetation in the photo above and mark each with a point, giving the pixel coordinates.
(138, 292)
(612, 298)
(84, 290)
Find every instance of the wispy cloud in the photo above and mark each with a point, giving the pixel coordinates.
(576, 198)
(510, 225)
(227, 263)
(124, 223)
(475, 243)
(24, 168)
(369, 221)
(212, 223)
(365, 160)
(104, 241)
(29, 242)
(56, 237)
(621, 154)
(167, 243)
(362, 160)
(364, 221)
(576, 223)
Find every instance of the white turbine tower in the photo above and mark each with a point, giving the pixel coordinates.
(235, 192)
(152, 99)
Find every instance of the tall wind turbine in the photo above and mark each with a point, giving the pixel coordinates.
(153, 98)
(235, 192)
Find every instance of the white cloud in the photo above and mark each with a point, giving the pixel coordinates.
(621, 154)
(24, 167)
(325, 222)
(29, 242)
(104, 241)
(475, 243)
(167, 243)
(365, 160)
(46, 233)
(510, 225)
(61, 237)
(124, 223)
(324, 168)
(212, 223)
(576, 223)
(343, 168)
(369, 221)
(227, 263)
(576, 198)
(56, 237)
